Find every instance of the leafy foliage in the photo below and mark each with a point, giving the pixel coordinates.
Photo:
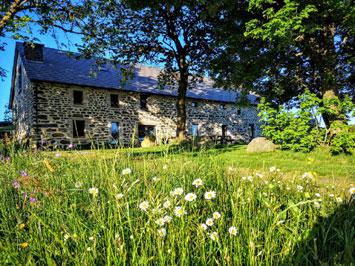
(301, 45)
(301, 131)
(170, 33)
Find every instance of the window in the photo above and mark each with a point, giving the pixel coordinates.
(145, 130)
(144, 101)
(114, 100)
(78, 97)
(251, 131)
(115, 132)
(194, 104)
(224, 130)
(194, 130)
(78, 129)
(222, 106)
(239, 111)
(20, 80)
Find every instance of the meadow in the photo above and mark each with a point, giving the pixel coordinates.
(169, 206)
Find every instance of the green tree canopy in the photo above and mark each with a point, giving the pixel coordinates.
(170, 33)
(301, 45)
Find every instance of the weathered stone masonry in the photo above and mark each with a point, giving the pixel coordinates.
(45, 111)
(53, 119)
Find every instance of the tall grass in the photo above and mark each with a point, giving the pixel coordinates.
(48, 217)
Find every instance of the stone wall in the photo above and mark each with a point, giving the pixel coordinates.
(56, 112)
(23, 103)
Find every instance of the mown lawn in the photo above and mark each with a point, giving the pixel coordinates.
(169, 206)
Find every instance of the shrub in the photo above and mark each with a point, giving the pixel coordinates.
(300, 130)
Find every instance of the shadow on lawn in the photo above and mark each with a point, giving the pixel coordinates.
(183, 150)
(330, 242)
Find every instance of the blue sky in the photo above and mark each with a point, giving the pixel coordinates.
(7, 59)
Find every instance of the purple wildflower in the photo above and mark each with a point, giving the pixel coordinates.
(57, 155)
(7, 158)
(17, 185)
(70, 146)
(32, 200)
(0, 156)
(25, 194)
(24, 174)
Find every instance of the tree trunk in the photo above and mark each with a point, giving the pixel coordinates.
(329, 86)
(180, 106)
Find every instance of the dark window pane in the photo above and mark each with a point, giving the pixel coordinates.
(222, 106)
(145, 130)
(224, 130)
(78, 129)
(251, 131)
(78, 97)
(194, 104)
(144, 101)
(114, 100)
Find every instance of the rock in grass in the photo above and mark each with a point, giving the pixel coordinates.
(148, 141)
(261, 144)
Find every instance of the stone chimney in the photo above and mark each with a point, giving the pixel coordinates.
(34, 52)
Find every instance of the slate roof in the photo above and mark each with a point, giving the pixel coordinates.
(58, 67)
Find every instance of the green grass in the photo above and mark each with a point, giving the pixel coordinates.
(277, 223)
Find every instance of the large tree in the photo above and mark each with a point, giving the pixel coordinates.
(174, 34)
(302, 45)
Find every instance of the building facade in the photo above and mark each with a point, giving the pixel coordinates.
(55, 101)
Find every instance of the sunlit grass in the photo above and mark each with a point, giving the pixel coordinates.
(85, 208)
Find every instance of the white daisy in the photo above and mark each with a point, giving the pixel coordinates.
(210, 195)
(166, 204)
(94, 191)
(165, 166)
(272, 169)
(197, 182)
(155, 179)
(162, 232)
(316, 204)
(160, 221)
(216, 215)
(178, 191)
(190, 197)
(66, 236)
(172, 193)
(144, 205)
(179, 211)
(209, 222)
(259, 175)
(126, 171)
(91, 238)
(317, 195)
(232, 230)
(89, 249)
(299, 188)
(203, 227)
(167, 219)
(339, 199)
(119, 196)
(213, 236)
(352, 190)
(250, 178)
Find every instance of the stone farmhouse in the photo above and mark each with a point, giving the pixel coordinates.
(55, 100)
